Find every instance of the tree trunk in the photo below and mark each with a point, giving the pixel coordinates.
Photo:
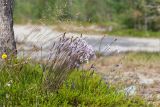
(7, 40)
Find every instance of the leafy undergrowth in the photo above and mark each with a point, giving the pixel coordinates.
(23, 85)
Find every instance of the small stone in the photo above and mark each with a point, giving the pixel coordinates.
(131, 90)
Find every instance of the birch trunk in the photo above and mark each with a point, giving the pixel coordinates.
(7, 40)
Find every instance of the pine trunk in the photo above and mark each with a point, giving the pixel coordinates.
(7, 40)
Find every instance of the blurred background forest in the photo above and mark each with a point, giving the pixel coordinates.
(120, 16)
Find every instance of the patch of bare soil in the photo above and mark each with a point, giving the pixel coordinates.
(122, 70)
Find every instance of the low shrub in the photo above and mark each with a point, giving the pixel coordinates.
(22, 85)
(66, 54)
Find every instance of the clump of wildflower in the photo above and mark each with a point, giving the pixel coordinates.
(66, 54)
(74, 51)
(4, 56)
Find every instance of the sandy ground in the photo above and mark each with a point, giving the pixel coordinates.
(139, 76)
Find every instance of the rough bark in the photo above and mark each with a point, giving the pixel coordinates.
(7, 40)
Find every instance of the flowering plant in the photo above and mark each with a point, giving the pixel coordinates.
(75, 51)
(71, 52)
(4, 56)
(66, 54)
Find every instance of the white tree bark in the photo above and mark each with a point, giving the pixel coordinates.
(7, 40)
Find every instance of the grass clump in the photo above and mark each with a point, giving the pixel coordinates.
(22, 84)
(134, 33)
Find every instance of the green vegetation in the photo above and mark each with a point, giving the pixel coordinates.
(135, 33)
(22, 84)
(127, 14)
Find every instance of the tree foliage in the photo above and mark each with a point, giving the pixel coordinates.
(138, 14)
